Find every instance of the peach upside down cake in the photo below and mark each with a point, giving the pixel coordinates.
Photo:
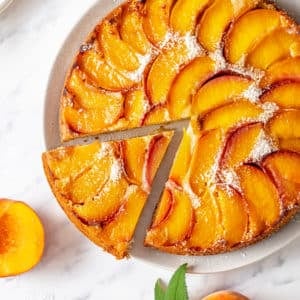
(231, 67)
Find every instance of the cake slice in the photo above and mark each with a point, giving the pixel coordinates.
(103, 187)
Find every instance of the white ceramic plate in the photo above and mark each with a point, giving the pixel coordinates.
(199, 264)
(4, 5)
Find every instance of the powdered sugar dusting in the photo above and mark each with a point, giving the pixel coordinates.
(253, 93)
(230, 178)
(196, 202)
(194, 49)
(105, 150)
(116, 170)
(218, 57)
(269, 110)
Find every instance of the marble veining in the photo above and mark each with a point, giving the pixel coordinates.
(31, 32)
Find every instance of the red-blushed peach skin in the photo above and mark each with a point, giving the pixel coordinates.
(225, 295)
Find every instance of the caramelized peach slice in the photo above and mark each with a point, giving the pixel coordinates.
(228, 116)
(177, 226)
(285, 124)
(186, 84)
(184, 15)
(263, 200)
(134, 157)
(276, 46)
(158, 114)
(217, 18)
(287, 69)
(284, 95)
(104, 205)
(225, 295)
(132, 31)
(219, 91)
(120, 230)
(21, 238)
(102, 74)
(116, 51)
(135, 107)
(234, 217)
(71, 161)
(290, 144)
(207, 229)
(164, 70)
(156, 151)
(249, 30)
(205, 156)
(240, 145)
(156, 20)
(93, 121)
(182, 159)
(284, 169)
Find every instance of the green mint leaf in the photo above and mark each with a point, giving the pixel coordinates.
(177, 286)
(158, 291)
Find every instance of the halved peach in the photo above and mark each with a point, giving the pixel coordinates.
(116, 51)
(158, 114)
(285, 124)
(217, 18)
(186, 84)
(249, 30)
(132, 31)
(134, 157)
(101, 73)
(229, 115)
(219, 91)
(279, 44)
(104, 205)
(21, 238)
(205, 156)
(234, 217)
(290, 144)
(120, 229)
(156, 20)
(135, 107)
(182, 159)
(225, 295)
(284, 166)
(262, 197)
(177, 226)
(287, 69)
(164, 70)
(156, 151)
(207, 229)
(240, 144)
(184, 15)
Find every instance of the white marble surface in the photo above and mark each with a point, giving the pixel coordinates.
(31, 32)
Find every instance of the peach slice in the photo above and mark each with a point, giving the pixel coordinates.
(102, 74)
(234, 217)
(184, 15)
(284, 166)
(132, 31)
(186, 84)
(240, 145)
(217, 18)
(225, 295)
(287, 69)
(156, 151)
(156, 20)
(164, 70)
(182, 159)
(229, 115)
(263, 201)
(158, 114)
(249, 30)
(207, 230)
(136, 107)
(278, 45)
(89, 97)
(290, 144)
(285, 124)
(205, 156)
(219, 91)
(117, 52)
(21, 238)
(120, 230)
(134, 156)
(177, 226)
(104, 205)
(92, 121)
